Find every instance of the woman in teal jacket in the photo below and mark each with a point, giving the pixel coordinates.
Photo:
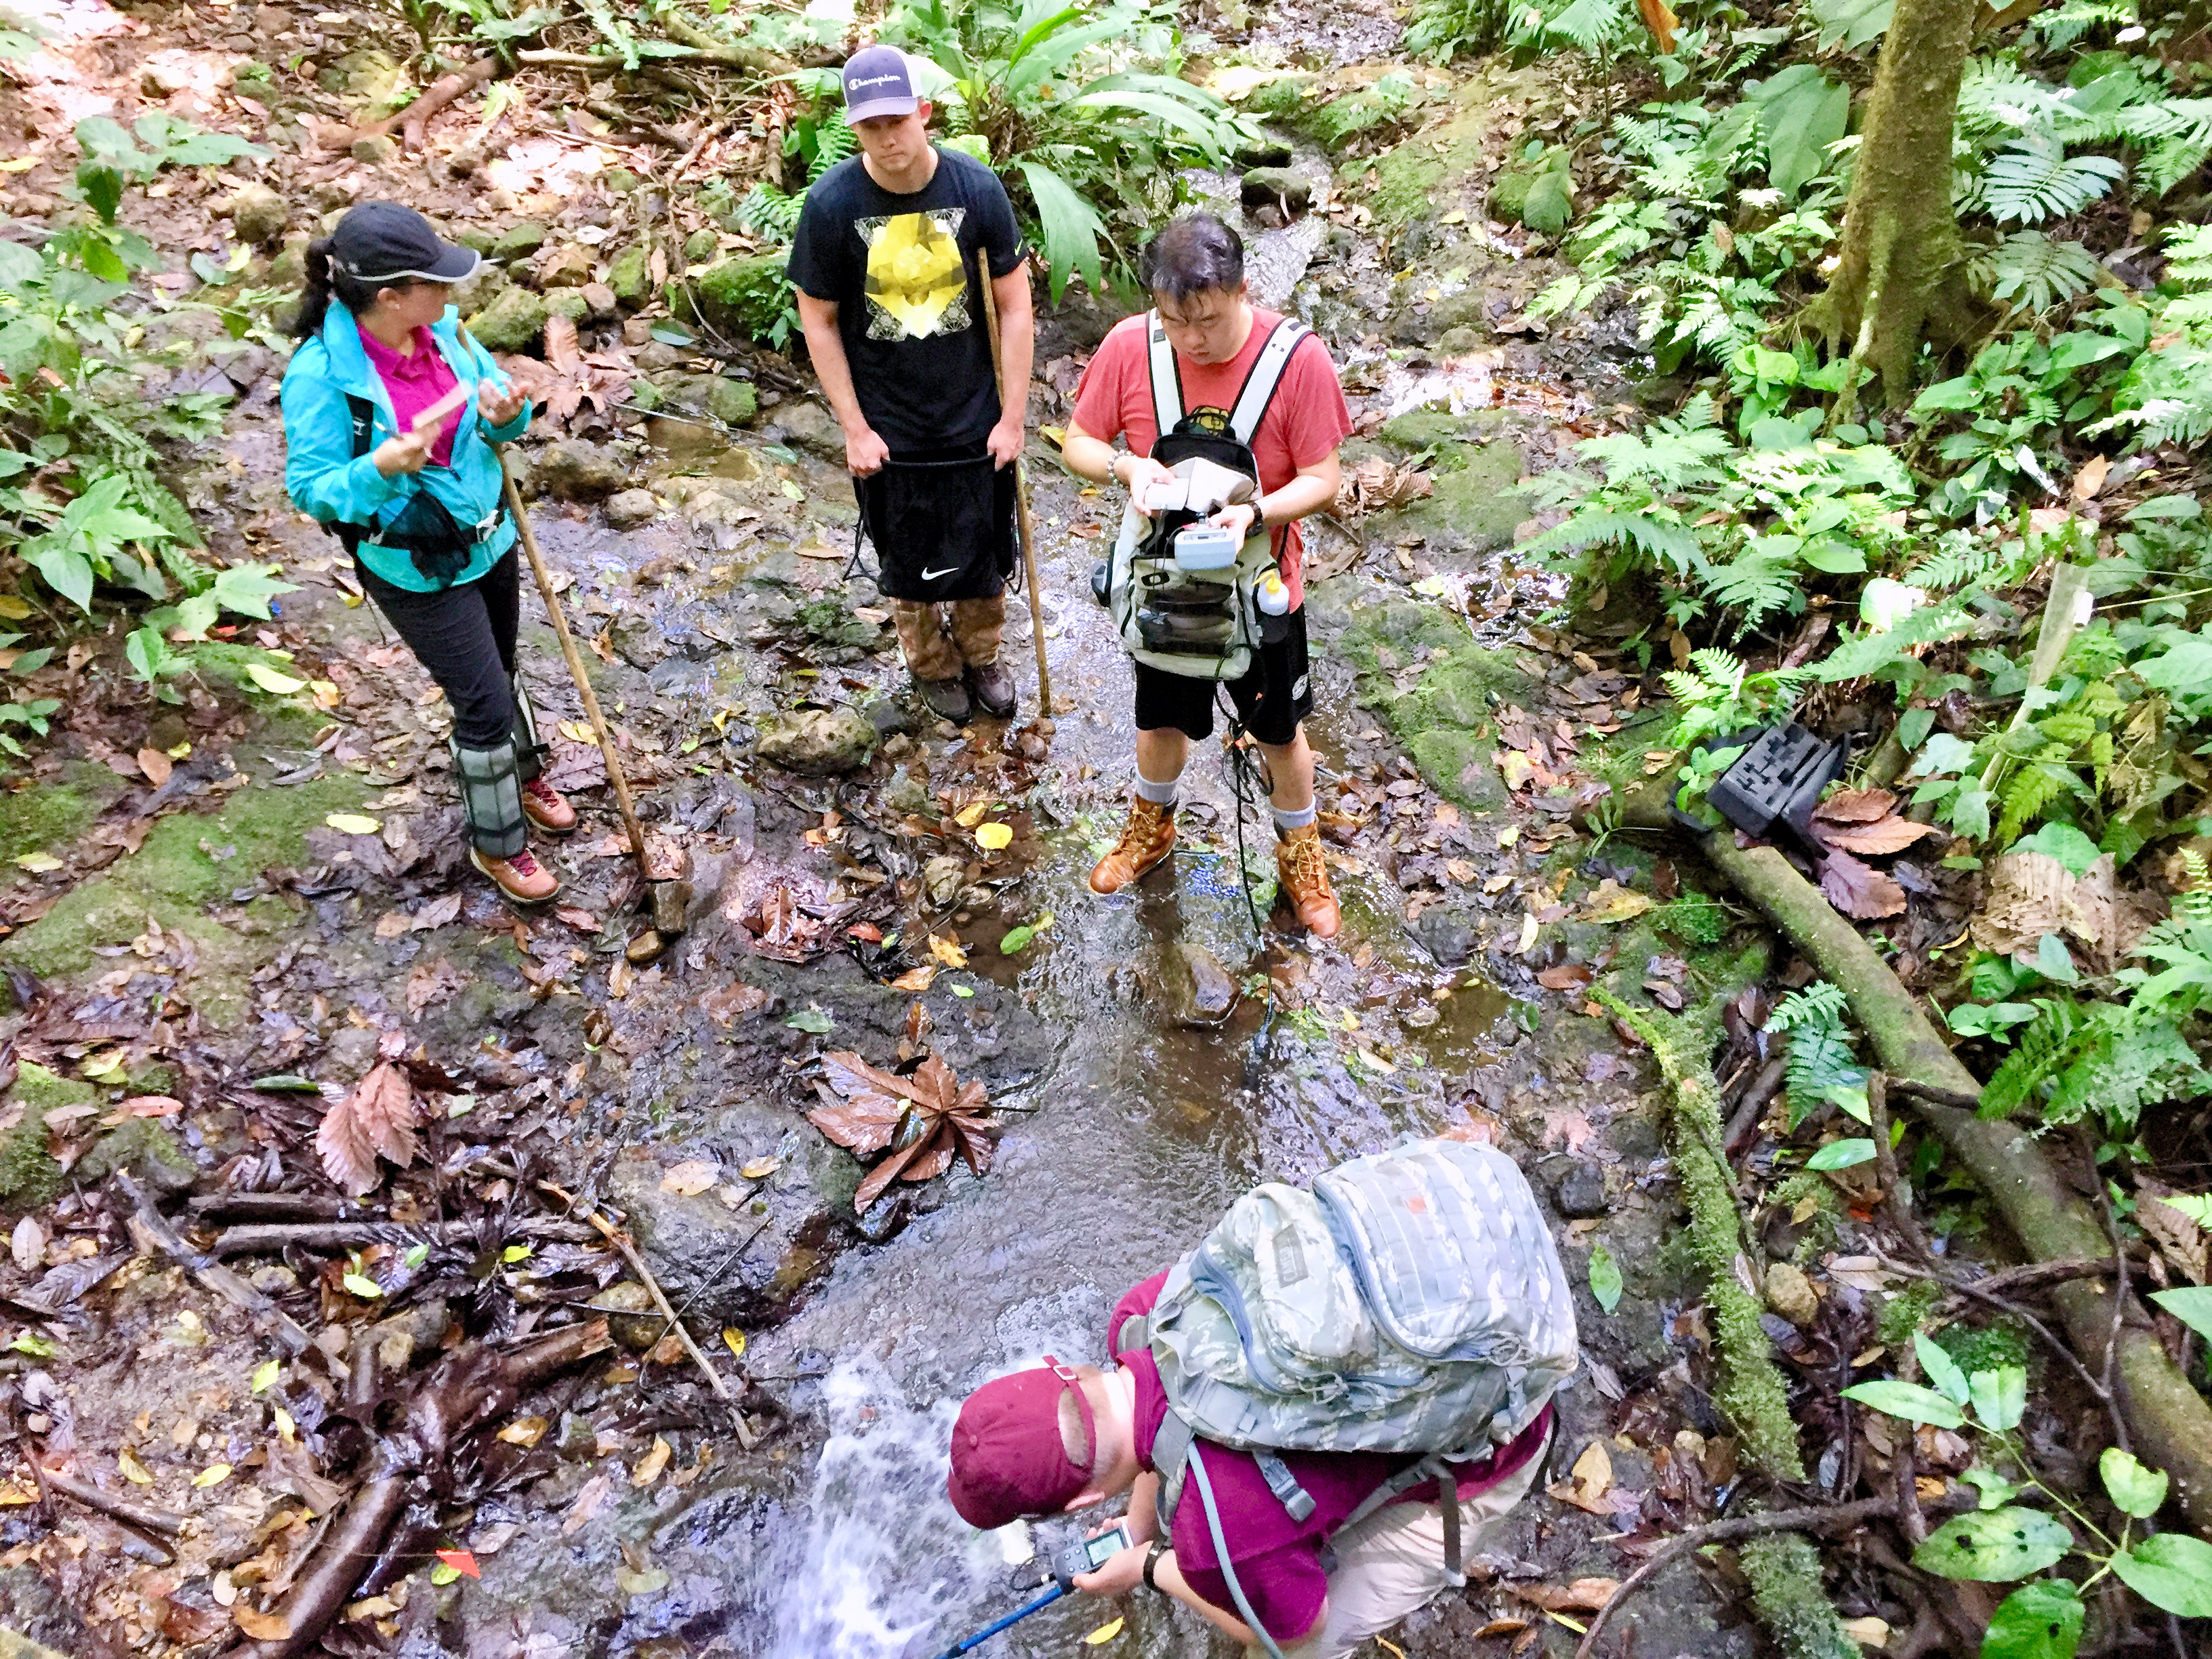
(391, 410)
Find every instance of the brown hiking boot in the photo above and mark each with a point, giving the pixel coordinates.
(946, 699)
(521, 878)
(544, 806)
(1149, 837)
(1304, 874)
(991, 685)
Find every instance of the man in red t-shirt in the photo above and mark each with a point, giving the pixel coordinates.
(1063, 1437)
(1194, 268)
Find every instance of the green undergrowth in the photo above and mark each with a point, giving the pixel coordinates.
(29, 1175)
(1784, 1572)
(1445, 713)
(1425, 173)
(46, 815)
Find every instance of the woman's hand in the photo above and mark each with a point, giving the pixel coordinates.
(1142, 471)
(1123, 1571)
(497, 408)
(403, 451)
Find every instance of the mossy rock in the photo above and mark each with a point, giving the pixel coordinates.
(1419, 174)
(1444, 717)
(145, 1148)
(567, 302)
(1538, 192)
(29, 1175)
(511, 323)
(731, 401)
(1286, 101)
(45, 815)
(1469, 510)
(631, 276)
(1433, 429)
(744, 296)
(519, 241)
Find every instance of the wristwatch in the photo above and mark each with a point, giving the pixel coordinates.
(1160, 1547)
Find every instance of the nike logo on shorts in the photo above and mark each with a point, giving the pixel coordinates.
(932, 575)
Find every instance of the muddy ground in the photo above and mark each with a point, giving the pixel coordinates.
(190, 939)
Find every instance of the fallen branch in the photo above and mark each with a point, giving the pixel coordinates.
(267, 1238)
(413, 122)
(611, 63)
(1723, 1531)
(2170, 1422)
(620, 1240)
(127, 1510)
(154, 1228)
(467, 1388)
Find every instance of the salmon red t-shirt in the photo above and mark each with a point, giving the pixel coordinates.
(1277, 1559)
(1303, 424)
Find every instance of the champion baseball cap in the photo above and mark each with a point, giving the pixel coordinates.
(383, 241)
(1007, 1460)
(879, 83)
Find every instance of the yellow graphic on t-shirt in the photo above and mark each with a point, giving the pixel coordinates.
(916, 284)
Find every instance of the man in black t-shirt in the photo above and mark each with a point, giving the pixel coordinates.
(884, 264)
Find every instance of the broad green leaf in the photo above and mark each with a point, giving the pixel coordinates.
(1842, 1155)
(1604, 1277)
(811, 1020)
(1996, 1491)
(2063, 842)
(2042, 1620)
(1999, 1397)
(19, 264)
(2191, 1305)
(270, 680)
(1801, 113)
(68, 573)
(2136, 1490)
(1852, 24)
(1017, 939)
(1950, 1381)
(1834, 557)
(1072, 227)
(2054, 961)
(265, 1376)
(362, 1286)
(2171, 1571)
(248, 589)
(1908, 1400)
(1993, 1547)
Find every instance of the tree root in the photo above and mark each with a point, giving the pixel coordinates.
(2170, 1422)
(1752, 1392)
(413, 122)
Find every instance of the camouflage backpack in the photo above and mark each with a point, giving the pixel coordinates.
(1411, 1302)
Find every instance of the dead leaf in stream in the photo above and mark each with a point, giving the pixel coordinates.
(923, 1119)
(1588, 1481)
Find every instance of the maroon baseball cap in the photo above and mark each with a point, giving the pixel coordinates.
(1007, 1461)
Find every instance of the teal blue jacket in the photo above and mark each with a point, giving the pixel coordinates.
(328, 482)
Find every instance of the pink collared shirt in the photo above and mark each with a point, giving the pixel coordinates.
(414, 383)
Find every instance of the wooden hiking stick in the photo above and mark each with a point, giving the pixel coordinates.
(1021, 489)
(576, 670)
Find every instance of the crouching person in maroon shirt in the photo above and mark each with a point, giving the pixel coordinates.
(1065, 1438)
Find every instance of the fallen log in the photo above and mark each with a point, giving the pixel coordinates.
(2170, 1421)
(147, 1517)
(414, 121)
(467, 1388)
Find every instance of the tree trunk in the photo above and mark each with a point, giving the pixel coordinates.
(1901, 272)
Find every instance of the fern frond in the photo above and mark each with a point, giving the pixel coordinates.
(2027, 797)
(766, 211)
(2029, 266)
(834, 142)
(2034, 180)
(2041, 1048)
(1820, 1061)
(1674, 543)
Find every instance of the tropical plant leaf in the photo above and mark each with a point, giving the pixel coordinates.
(1993, 1547)
(1072, 227)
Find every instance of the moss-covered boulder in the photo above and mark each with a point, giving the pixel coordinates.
(1538, 191)
(568, 302)
(743, 297)
(144, 1148)
(519, 241)
(732, 402)
(631, 277)
(43, 815)
(513, 322)
(29, 1175)
(1470, 510)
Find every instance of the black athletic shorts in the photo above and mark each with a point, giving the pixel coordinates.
(1275, 694)
(943, 523)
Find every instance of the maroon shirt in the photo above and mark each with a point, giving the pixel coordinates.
(416, 382)
(1277, 1559)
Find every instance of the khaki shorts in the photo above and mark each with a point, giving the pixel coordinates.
(1393, 1572)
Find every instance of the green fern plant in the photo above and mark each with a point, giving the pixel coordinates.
(1822, 1067)
(2034, 180)
(2037, 272)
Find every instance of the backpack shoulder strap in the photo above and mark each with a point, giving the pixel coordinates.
(361, 414)
(1171, 1461)
(1267, 375)
(1166, 378)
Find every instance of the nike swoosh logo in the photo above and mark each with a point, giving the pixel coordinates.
(932, 575)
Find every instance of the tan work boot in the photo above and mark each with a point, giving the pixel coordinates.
(545, 807)
(1149, 836)
(521, 878)
(1304, 875)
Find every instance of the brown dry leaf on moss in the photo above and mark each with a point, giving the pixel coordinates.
(924, 1120)
(1859, 891)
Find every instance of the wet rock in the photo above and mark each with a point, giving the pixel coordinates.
(1581, 1192)
(519, 241)
(258, 215)
(511, 322)
(31, 1607)
(566, 267)
(742, 297)
(720, 1264)
(640, 641)
(1263, 154)
(818, 741)
(645, 947)
(146, 1149)
(601, 298)
(807, 425)
(1790, 1294)
(941, 877)
(1199, 990)
(632, 1320)
(888, 715)
(1445, 936)
(629, 508)
(1279, 187)
(631, 281)
(351, 1052)
(731, 401)
(700, 246)
(575, 471)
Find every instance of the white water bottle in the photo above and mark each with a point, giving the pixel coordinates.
(1271, 595)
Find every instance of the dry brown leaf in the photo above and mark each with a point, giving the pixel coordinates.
(2032, 894)
(1883, 836)
(650, 1466)
(155, 765)
(690, 1178)
(1859, 891)
(727, 1004)
(1583, 1596)
(1659, 19)
(262, 1627)
(1565, 975)
(429, 982)
(1588, 1481)
(948, 952)
(925, 1120)
(152, 1106)
(377, 1119)
(1855, 807)
(916, 979)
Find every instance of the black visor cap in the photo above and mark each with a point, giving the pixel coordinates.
(386, 242)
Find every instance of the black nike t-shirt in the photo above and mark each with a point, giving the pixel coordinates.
(901, 269)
